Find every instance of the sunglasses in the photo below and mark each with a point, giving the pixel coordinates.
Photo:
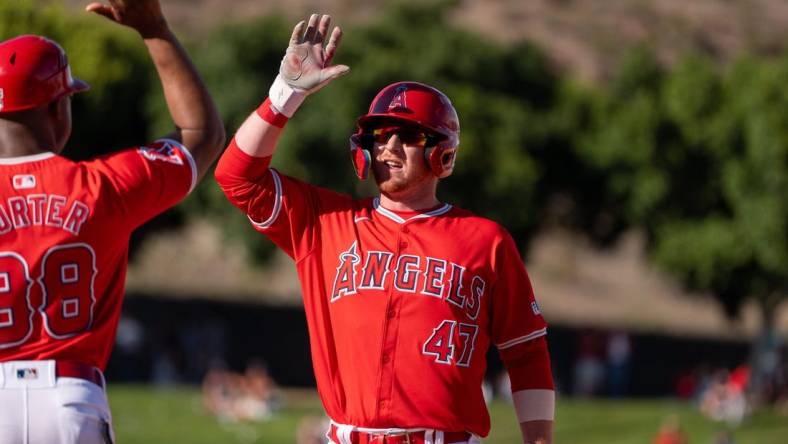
(408, 136)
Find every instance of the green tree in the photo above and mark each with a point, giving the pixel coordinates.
(699, 158)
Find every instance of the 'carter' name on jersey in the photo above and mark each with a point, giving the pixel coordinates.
(411, 274)
(49, 210)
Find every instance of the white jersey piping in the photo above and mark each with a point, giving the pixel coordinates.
(25, 159)
(397, 218)
(521, 339)
(277, 203)
(189, 158)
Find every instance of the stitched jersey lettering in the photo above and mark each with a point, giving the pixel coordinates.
(375, 270)
(345, 280)
(409, 273)
(51, 210)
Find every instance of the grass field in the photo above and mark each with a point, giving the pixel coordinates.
(143, 414)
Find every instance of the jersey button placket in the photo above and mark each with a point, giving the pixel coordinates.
(403, 243)
(390, 338)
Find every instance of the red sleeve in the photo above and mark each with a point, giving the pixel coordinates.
(149, 179)
(530, 368)
(282, 208)
(518, 328)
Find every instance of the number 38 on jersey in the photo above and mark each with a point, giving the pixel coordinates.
(65, 279)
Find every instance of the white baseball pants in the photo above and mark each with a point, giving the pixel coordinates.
(36, 407)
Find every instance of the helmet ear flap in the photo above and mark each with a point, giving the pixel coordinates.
(360, 145)
(440, 160)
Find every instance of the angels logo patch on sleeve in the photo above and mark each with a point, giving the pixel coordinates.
(162, 150)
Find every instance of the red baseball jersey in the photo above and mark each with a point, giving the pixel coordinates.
(401, 307)
(64, 239)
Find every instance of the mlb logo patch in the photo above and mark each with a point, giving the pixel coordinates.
(27, 373)
(535, 308)
(24, 181)
(162, 151)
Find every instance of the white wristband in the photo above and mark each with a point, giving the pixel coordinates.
(534, 405)
(284, 97)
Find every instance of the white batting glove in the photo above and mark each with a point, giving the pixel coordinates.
(306, 66)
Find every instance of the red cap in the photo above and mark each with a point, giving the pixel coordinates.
(34, 71)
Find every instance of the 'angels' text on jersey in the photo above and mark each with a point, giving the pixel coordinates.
(409, 274)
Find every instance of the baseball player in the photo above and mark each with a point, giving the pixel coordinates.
(403, 293)
(65, 226)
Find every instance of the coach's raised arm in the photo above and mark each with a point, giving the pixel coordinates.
(197, 123)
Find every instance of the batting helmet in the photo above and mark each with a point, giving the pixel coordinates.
(416, 104)
(34, 71)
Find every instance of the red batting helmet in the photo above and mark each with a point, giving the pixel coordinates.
(33, 72)
(415, 104)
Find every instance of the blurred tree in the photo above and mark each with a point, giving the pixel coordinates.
(699, 159)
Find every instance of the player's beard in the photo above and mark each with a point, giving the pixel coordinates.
(397, 183)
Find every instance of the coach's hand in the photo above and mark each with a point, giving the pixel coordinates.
(144, 16)
(307, 64)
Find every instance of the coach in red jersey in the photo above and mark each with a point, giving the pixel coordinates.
(65, 226)
(403, 294)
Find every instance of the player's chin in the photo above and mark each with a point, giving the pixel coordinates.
(390, 185)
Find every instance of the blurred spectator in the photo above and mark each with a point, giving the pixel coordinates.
(219, 389)
(589, 370)
(202, 340)
(128, 360)
(312, 430)
(767, 367)
(725, 398)
(259, 393)
(723, 437)
(167, 358)
(687, 384)
(619, 354)
(670, 432)
(230, 396)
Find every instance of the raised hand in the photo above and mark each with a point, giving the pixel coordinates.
(306, 65)
(144, 16)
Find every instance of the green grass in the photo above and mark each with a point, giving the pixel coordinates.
(143, 414)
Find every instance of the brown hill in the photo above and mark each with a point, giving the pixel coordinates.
(583, 36)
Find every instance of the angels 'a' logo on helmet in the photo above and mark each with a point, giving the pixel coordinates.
(400, 99)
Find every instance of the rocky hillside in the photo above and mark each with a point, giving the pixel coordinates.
(584, 36)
